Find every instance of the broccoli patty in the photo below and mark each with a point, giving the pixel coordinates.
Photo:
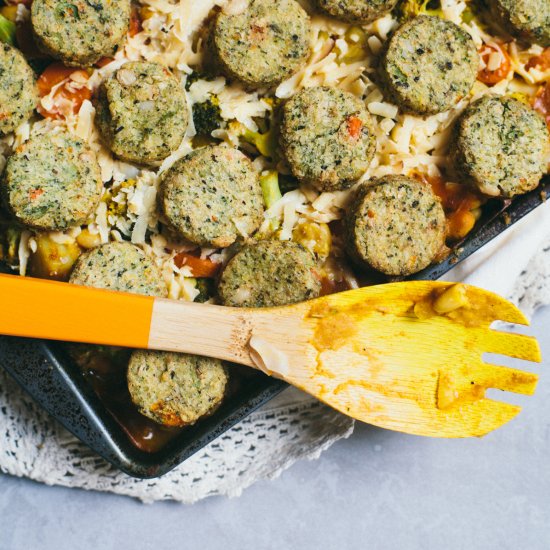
(396, 225)
(269, 274)
(357, 11)
(500, 146)
(527, 19)
(212, 196)
(264, 43)
(81, 32)
(18, 92)
(328, 137)
(119, 266)
(429, 65)
(142, 112)
(52, 182)
(175, 389)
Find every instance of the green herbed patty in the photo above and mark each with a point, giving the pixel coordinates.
(18, 92)
(80, 32)
(212, 196)
(175, 389)
(142, 112)
(269, 274)
(500, 146)
(396, 225)
(429, 65)
(263, 44)
(52, 182)
(526, 19)
(119, 266)
(328, 137)
(357, 11)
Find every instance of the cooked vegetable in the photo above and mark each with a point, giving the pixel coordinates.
(408, 9)
(316, 237)
(207, 289)
(207, 116)
(541, 62)
(452, 299)
(270, 187)
(271, 192)
(460, 202)
(135, 21)
(53, 260)
(288, 183)
(200, 267)
(266, 143)
(356, 39)
(542, 102)
(9, 12)
(7, 30)
(88, 240)
(70, 91)
(497, 64)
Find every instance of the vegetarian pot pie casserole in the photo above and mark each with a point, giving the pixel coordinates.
(255, 153)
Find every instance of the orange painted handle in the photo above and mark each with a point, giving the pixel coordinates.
(37, 308)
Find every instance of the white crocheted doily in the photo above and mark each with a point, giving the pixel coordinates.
(287, 429)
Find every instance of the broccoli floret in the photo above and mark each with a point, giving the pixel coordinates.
(193, 77)
(287, 183)
(207, 116)
(266, 139)
(207, 289)
(266, 143)
(269, 182)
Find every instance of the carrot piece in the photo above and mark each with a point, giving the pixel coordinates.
(52, 76)
(135, 22)
(103, 62)
(200, 267)
(541, 61)
(492, 77)
(354, 126)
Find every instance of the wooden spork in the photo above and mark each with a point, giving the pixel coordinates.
(404, 356)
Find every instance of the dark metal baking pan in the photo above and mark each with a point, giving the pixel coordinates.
(45, 372)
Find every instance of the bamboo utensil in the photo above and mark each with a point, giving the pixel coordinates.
(404, 356)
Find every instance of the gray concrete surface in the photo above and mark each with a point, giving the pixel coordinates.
(378, 490)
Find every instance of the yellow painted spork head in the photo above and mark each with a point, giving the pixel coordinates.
(408, 357)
